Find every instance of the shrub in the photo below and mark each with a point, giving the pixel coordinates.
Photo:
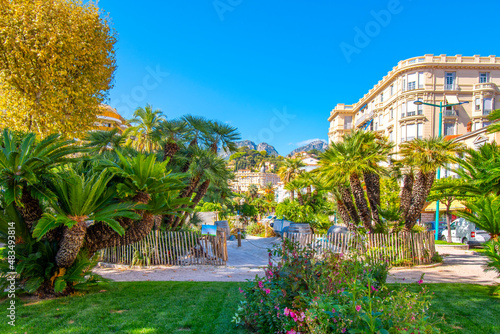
(336, 293)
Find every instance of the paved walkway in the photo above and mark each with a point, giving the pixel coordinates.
(459, 266)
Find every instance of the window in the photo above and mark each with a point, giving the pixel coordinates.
(403, 110)
(392, 113)
(420, 79)
(380, 119)
(412, 81)
(392, 89)
(391, 139)
(449, 129)
(478, 104)
(411, 109)
(487, 105)
(403, 133)
(404, 84)
(420, 108)
(420, 130)
(485, 124)
(449, 83)
(376, 126)
(484, 77)
(382, 97)
(348, 122)
(411, 131)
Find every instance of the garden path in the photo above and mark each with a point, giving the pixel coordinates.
(459, 266)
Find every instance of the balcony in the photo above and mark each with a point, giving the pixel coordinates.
(363, 118)
(450, 113)
(412, 113)
(486, 86)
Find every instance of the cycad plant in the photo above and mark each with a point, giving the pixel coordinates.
(81, 201)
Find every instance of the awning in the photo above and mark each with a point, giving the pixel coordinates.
(455, 205)
(452, 99)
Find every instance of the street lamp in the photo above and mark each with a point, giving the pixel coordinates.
(440, 134)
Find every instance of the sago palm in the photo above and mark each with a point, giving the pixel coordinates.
(101, 140)
(484, 212)
(222, 135)
(81, 201)
(172, 134)
(25, 163)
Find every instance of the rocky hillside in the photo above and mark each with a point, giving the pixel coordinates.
(319, 145)
(252, 146)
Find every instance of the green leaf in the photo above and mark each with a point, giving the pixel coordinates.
(59, 285)
(49, 222)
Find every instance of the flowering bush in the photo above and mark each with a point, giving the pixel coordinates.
(332, 294)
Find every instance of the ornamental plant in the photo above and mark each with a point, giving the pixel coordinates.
(335, 293)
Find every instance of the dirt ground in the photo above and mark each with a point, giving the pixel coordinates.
(459, 266)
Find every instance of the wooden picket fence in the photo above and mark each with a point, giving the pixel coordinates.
(171, 248)
(404, 248)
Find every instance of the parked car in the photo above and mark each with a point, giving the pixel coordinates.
(465, 232)
(279, 225)
(431, 226)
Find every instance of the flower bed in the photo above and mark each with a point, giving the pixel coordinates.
(333, 294)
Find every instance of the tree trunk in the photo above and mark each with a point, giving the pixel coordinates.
(372, 183)
(448, 222)
(70, 245)
(406, 194)
(421, 189)
(31, 211)
(200, 193)
(308, 192)
(300, 198)
(344, 213)
(361, 203)
(349, 204)
(292, 195)
(169, 150)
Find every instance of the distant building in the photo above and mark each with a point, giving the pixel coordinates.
(309, 160)
(389, 107)
(245, 177)
(110, 119)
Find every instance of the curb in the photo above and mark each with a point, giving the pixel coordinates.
(427, 266)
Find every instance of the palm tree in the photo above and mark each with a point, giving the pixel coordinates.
(223, 134)
(291, 169)
(484, 213)
(295, 186)
(358, 156)
(171, 134)
(141, 133)
(197, 128)
(253, 191)
(425, 156)
(101, 140)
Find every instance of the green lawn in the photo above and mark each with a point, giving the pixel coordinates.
(133, 307)
(190, 307)
(443, 242)
(466, 308)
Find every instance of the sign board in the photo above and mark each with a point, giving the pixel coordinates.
(208, 230)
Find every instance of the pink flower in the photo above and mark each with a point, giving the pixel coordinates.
(291, 331)
(260, 284)
(287, 311)
(293, 315)
(343, 330)
(358, 308)
(261, 301)
(420, 282)
(267, 291)
(333, 310)
(302, 316)
(241, 291)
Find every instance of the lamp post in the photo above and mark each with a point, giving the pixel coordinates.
(440, 134)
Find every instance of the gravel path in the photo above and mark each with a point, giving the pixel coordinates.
(459, 266)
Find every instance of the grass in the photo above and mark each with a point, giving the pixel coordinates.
(132, 307)
(465, 308)
(194, 307)
(443, 242)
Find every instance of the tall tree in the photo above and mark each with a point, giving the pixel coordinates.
(223, 136)
(290, 169)
(145, 123)
(171, 134)
(425, 156)
(57, 61)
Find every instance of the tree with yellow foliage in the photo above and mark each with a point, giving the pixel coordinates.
(57, 61)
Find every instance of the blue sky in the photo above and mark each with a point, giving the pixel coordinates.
(276, 69)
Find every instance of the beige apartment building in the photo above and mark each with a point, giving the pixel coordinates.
(245, 177)
(389, 107)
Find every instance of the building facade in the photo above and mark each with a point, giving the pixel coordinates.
(245, 177)
(389, 107)
(110, 119)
